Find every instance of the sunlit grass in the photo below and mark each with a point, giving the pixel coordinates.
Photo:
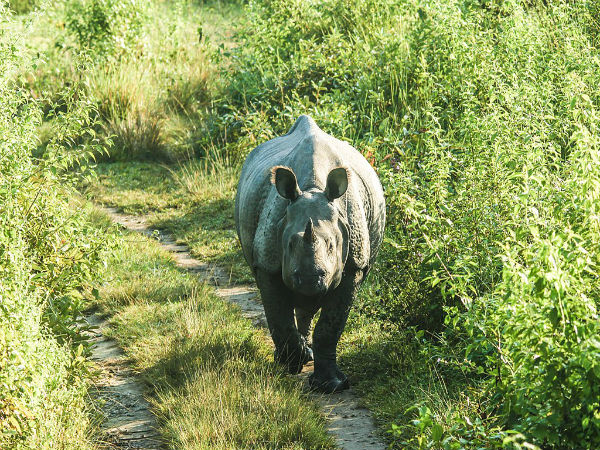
(193, 201)
(214, 380)
(210, 178)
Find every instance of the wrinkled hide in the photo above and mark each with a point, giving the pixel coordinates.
(310, 215)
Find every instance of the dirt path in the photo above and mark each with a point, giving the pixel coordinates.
(350, 424)
(129, 424)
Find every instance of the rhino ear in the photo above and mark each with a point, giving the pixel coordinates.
(337, 183)
(284, 180)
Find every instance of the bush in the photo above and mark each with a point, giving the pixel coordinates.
(536, 333)
(480, 118)
(48, 255)
(105, 26)
(22, 6)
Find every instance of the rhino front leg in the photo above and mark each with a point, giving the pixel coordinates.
(304, 319)
(327, 376)
(291, 348)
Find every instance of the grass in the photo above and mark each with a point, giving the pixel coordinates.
(193, 201)
(213, 380)
(212, 374)
(481, 120)
(152, 90)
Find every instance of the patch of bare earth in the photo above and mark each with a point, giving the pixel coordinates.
(351, 425)
(128, 422)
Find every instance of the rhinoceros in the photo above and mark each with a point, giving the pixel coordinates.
(310, 215)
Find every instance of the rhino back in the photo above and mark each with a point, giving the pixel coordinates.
(311, 154)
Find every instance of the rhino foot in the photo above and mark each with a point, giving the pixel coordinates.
(294, 360)
(337, 383)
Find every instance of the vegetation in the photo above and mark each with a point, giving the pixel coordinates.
(477, 327)
(481, 118)
(49, 255)
(213, 387)
(193, 201)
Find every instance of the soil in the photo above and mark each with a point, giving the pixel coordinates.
(129, 422)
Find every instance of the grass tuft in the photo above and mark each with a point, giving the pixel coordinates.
(210, 178)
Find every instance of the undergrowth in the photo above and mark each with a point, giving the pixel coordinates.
(481, 120)
(477, 327)
(49, 256)
(150, 71)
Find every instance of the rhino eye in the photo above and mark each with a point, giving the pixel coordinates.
(330, 246)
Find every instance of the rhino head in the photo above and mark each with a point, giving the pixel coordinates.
(313, 234)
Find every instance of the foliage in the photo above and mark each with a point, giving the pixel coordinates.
(48, 253)
(22, 6)
(480, 117)
(536, 334)
(105, 26)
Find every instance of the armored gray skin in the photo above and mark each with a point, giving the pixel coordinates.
(310, 215)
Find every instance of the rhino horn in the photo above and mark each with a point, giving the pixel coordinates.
(309, 234)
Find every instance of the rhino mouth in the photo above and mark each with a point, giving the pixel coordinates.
(308, 284)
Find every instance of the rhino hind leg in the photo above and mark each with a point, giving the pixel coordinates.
(291, 348)
(328, 377)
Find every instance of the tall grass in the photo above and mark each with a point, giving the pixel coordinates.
(213, 177)
(129, 112)
(152, 74)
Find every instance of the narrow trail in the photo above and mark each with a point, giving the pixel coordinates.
(351, 425)
(128, 424)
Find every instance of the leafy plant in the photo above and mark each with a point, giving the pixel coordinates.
(480, 118)
(48, 257)
(105, 26)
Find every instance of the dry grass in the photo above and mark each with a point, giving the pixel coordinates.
(130, 112)
(152, 103)
(210, 178)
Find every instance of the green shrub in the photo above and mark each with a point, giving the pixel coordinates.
(480, 118)
(48, 254)
(536, 334)
(105, 26)
(22, 6)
